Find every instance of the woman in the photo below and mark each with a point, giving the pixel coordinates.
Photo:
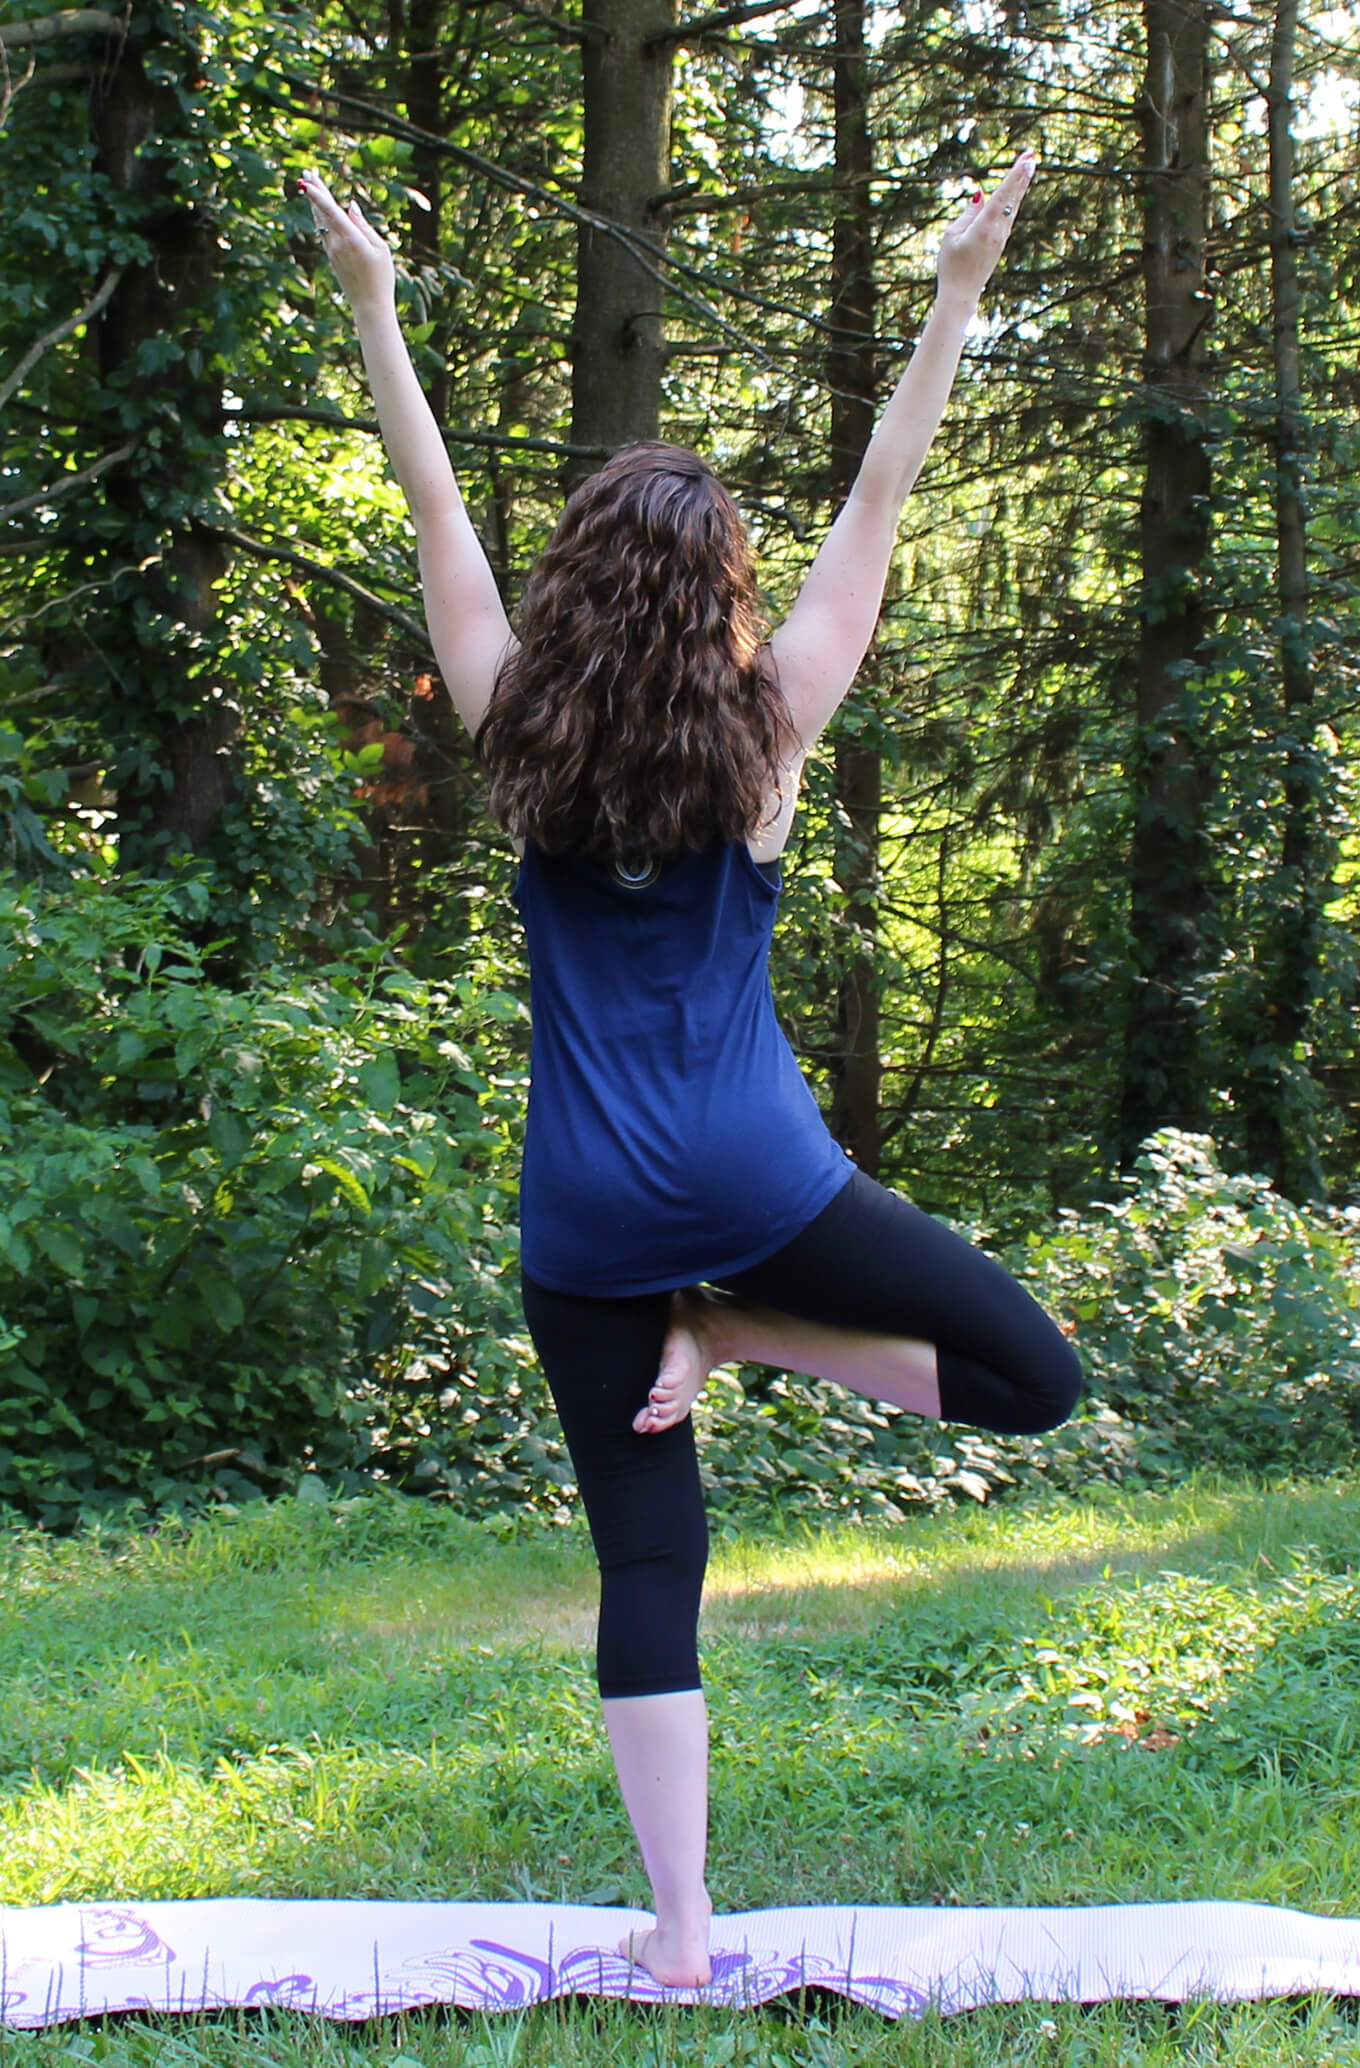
(645, 751)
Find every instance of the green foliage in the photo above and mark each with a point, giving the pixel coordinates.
(1215, 1316)
(27, 791)
(250, 1233)
(1218, 1324)
(224, 1213)
(247, 1234)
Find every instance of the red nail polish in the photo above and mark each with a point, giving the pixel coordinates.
(978, 195)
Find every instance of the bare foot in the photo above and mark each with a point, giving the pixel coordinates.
(686, 1360)
(678, 1960)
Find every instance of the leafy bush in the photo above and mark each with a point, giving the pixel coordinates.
(1219, 1325)
(247, 1235)
(223, 1213)
(26, 789)
(1216, 1318)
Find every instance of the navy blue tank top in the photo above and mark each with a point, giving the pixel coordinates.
(671, 1135)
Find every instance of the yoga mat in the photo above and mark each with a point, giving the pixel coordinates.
(361, 1960)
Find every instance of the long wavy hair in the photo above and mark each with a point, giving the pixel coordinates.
(639, 716)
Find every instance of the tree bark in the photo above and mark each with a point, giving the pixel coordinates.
(425, 108)
(436, 789)
(856, 1068)
(176, 796)
(1281, 1113)
(618, 350)
(1172, 909)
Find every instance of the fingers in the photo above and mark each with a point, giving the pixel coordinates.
(359, 221)
(326, 210)
(1010, 191)
(1013, 188)
(328, 215)
(999, 209)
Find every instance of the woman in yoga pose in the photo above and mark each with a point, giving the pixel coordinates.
(644, 750)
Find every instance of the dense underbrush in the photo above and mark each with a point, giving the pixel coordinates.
(250, 1234)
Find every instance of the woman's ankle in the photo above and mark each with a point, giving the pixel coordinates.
(685, 1917)
(708, 1316)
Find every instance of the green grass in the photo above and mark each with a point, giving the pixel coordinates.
(1143, 1698)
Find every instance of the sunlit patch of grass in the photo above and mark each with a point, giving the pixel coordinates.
(851, 1577)
(423, 1607)
(1137, 1698)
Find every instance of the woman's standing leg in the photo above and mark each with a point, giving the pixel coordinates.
(660, 1747)
(644, 1503)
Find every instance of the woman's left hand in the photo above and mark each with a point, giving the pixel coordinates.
(360, 255)
(970, 247)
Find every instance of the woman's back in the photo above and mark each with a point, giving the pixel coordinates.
(671, 1136)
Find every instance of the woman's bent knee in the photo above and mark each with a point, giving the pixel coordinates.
(1054, 1400)
(1036, 1394)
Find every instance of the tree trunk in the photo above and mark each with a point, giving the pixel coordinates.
(856, 1069)
(442, 791)
(424, 107)
(1281, 1114)
(156, 651)
(1172, 900)
(618, 350)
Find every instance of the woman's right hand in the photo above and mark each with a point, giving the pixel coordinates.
(360, 256)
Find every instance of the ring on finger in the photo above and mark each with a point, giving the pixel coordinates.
(1006, 208)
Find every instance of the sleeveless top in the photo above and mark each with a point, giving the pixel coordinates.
(671, 1135)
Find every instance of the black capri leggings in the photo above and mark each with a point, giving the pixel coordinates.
(871, 1261)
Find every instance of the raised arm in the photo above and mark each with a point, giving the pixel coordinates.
(468, 627)
(825, 636)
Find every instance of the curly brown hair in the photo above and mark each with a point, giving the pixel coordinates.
(639, 715)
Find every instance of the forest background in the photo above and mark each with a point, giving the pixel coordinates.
(1070, 926)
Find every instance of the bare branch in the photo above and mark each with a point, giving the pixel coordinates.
(706, 24)
(1244, 64)
(47, 28)
(21, 624)
(67, 482)
(63, 330)
(59, 75)
(643, 252)
(301, 413)
(686, 201)
(291, 557)
(8, 89)
(39, 695)
(560, 24)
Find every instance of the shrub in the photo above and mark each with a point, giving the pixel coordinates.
(1219, 1326)
(221, 1211)
(1218, 1319)
(248, 1234)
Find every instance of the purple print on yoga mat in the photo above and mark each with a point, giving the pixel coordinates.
(363, 1960)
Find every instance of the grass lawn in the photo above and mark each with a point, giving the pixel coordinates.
(1144, 1698)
